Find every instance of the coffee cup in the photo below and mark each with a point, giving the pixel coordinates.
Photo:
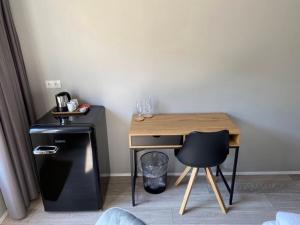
(75, 101)
(71, 106)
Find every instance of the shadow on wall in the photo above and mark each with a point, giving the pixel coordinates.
(117, 130)
(264, 147)
(32, 58)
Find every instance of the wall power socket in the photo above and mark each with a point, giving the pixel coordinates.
(53, 84)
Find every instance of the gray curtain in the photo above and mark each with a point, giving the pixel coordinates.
(17, 179)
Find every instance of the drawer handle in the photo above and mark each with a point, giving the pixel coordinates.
(45, 150)
(156, 136)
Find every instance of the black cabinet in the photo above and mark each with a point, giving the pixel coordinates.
(72, 160)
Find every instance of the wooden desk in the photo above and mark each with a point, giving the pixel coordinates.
(168, 131)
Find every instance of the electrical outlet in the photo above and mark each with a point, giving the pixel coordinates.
(53, 84)
(57, 84)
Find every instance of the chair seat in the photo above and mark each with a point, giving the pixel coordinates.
(118, 216)
(273, 222)
(285, 218)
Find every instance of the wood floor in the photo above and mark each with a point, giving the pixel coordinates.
(257, 199)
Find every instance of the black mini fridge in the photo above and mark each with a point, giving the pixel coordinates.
(72, 160)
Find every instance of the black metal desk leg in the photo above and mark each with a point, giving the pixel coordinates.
(233, 174)
(217, 171)
(133, 165)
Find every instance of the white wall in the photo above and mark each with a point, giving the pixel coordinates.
(240, 57)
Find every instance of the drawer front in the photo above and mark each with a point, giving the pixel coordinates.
(165, 140)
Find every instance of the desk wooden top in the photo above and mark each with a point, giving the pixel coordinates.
(182, 124)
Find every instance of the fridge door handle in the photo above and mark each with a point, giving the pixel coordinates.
(45, 150)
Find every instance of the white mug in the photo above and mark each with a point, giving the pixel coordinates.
(71, 106)
(75, 101)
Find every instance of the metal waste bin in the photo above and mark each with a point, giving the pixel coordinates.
(155, 166)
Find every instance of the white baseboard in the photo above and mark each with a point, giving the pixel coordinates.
(225, 173)
(2, 218)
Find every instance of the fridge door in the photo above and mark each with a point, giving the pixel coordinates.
(67, 168)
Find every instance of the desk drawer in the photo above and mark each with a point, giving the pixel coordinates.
(165, 140)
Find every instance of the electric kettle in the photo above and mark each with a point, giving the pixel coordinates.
(62, 99)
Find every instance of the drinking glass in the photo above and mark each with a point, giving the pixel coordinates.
(139, 108)
(148, 107)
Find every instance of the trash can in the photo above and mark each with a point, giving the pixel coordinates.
(154, 166)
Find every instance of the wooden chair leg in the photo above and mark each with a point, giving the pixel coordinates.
(206, 176)
(216, 189)
(184, 173)
(188, 190)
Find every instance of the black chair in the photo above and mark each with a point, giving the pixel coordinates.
(203, 150)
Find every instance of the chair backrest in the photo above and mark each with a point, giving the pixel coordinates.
(204, 149)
